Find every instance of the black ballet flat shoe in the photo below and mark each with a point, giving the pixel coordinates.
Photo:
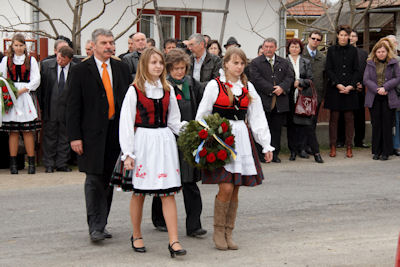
(375, 157)
(141, 249)
(292, 156)
(179, 252)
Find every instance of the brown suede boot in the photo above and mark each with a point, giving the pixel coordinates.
(230, 224)
(333, 151)
(220, 210)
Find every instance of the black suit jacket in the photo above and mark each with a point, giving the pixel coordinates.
(209, 69)
(49, 83)
(264, 79)
(87, 113)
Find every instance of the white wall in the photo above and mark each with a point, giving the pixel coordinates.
(238, 25)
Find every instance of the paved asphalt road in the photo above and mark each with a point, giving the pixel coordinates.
(344, 212)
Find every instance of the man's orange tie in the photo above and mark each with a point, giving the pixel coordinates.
(109, 91)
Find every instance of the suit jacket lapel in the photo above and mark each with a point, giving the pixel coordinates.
(95, 72)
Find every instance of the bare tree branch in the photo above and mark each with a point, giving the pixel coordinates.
(134, 21)
(70, 5)
(364, 13)
(39, 32)
(14, 11)
(105, 3)
(338, 12)
(29, 2)
(122, 15)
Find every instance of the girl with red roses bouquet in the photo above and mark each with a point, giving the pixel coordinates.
(235, 99)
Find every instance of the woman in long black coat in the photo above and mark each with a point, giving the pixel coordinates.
(188, 93)
(343, 74)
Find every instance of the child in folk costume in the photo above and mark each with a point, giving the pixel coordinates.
(236, 99)
(23, 70)
(149, 117)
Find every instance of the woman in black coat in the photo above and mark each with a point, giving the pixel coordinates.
(343, 74)
(188, 93)
(299, 128)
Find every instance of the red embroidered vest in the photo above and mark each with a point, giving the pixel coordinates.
(151, 113)
(17, 73)
(222, 106)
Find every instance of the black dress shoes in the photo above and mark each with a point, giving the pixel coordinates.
(396, 152)
(96, 236)
(375, 157)
(276, 159)
(318, 158)
(106, 233)
(64, 169)
(303, 154)
(384, 157)
(137, 249)
(162, 228)
(292, 156)
(49, 169)
(198, 232)
(309, 151)
(362, 145)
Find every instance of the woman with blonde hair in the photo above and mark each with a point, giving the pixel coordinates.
(236, 99)
(23, 70)
(381, 76)
(149, 118)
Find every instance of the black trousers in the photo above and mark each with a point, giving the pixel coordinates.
(359, 121)
(98, 195)
(382, 118)
(306, 136)
(275, 121)
(56, 148)
(193, 208)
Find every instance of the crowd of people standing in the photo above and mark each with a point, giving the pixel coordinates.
(125, 113)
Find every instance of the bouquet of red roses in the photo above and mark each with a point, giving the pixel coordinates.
(9, 94)
(209, 143)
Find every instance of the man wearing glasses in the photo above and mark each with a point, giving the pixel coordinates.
(318, 60)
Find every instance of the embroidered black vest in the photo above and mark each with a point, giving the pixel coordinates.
(17, 73)
(151, 113)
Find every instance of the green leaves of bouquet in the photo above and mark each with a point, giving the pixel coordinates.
(7, 102)
(208, 144)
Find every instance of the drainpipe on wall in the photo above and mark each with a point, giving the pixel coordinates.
(35, 20)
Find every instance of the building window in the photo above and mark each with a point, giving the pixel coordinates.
(147, 26)
(167, 25)
(175, 24)
(187, 27)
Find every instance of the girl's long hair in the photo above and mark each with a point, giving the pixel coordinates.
(10, 52)
(243, 78)
(142, 73)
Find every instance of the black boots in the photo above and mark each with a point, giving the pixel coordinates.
(31, 165)
(13, 165)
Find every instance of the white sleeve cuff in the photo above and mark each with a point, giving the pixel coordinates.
(267, 149)
(125, 155)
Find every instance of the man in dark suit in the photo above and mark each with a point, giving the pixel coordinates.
(97, 88)
(132, 59)
(204, 66)
(272, 77)
(54, 73)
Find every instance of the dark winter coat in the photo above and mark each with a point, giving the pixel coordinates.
(188, 109)
(318, 70)
(264, 79)
(392, 79)
(342, 67)
(87, 113)
(209, 69)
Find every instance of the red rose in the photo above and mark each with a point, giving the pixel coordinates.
(230, 140)
(203, 152)
(222, 155)
(224, 127)
(5, 97)
(9, 104)
(5, 90)
(178, 97)
(203, 134)
(9, 97)
(211, 157)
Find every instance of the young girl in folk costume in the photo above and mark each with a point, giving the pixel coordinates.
(23, 70)
(149, 117)
(234, 98)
